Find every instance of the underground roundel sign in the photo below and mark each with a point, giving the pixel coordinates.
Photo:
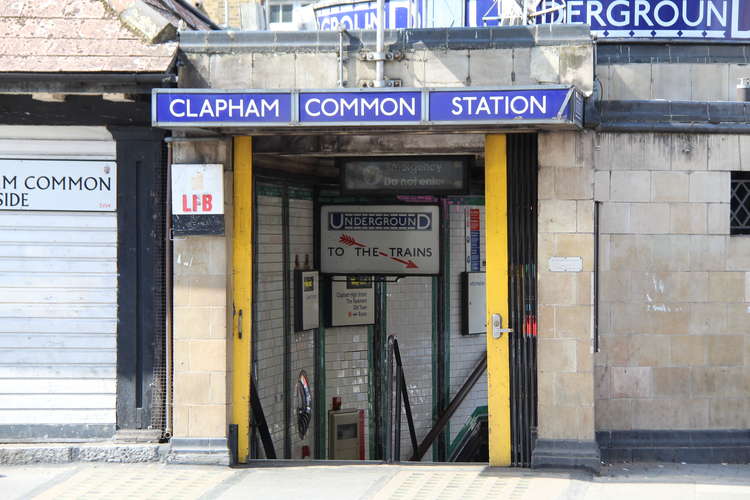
(380, 239)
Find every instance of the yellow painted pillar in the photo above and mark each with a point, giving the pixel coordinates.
(242, 278)
(496, 242)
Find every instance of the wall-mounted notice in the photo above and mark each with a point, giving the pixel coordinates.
(404, 175)
(352, 301)
(380, 239)
(306, 300)
(565, 264)
(473, 240)
(474, 303)
(197, 199)
(58, 185)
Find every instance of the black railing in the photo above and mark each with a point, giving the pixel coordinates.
(397, 390)
(396, 371)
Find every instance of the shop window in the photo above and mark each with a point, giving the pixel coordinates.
(740, 204)
(281, 13)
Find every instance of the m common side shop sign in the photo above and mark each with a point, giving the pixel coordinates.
(58, 185)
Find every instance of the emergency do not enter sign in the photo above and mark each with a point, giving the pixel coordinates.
(197, 199)
(380, 239)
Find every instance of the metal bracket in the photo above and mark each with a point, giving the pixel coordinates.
(371, 55)
(396, 82)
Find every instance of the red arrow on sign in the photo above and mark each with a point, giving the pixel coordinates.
(350, 241)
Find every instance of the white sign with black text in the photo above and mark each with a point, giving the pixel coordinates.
(59, 185)
(352, 301)
(380, 239)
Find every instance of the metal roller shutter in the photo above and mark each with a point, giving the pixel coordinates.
(58, 302)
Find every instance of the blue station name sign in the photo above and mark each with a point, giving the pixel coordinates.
(542, 105)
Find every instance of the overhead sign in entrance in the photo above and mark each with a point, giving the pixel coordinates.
(380, 239)
(539, 105)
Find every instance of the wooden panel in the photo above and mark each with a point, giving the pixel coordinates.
(58, 311)
(65, 401)
(51, 236)
(103, 416)
(81, 371)
(59, 251)
(58, 386)
(58, 295)
(67, 341)
(74, 325)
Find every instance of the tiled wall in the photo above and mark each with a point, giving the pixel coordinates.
(675, 342)
(465, 350)
(409, 305)
(269, 316)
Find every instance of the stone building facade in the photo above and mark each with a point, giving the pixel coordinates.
(643, 350)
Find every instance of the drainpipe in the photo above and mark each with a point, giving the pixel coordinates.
(380, 47)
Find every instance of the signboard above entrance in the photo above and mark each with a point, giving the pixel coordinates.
(380, 239)
(404, 175)
(539, 105)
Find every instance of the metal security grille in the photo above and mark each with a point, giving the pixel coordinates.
(522, 239)
(740, 204)
(159, 393)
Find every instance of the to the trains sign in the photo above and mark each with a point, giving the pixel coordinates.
(380, 239)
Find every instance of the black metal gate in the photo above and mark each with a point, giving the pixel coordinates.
(522, 241)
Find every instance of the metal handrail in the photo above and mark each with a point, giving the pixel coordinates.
(445, 416)
(394, 434)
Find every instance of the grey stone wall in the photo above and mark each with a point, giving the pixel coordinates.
(675, 342)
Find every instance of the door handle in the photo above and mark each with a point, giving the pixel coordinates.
(239, 324)
(497, 326)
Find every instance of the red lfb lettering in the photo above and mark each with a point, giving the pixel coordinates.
(185, 207)
(196, 202)
(207, 202)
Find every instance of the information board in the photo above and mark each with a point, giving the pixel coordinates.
(352, 301)
(306, 300)
(380, 239)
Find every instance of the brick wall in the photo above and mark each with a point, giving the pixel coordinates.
(200, 319)
(675, 344)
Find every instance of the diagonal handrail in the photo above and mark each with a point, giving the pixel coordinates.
(445, 416)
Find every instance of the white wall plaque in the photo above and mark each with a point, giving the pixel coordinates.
(565, 264)
(58, 185)
(352, 301)
(380, 239)
(474, 306)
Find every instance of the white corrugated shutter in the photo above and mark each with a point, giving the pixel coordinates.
(58, 295)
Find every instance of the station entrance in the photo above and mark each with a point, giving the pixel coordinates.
(392, 291)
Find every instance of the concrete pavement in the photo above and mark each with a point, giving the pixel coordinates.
(369, 481)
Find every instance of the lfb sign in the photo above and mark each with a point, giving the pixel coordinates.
(197, 189)
(197, 199)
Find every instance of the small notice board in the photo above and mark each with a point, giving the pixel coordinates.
(352, 301)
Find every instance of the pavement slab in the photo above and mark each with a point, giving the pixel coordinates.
(317, 481)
